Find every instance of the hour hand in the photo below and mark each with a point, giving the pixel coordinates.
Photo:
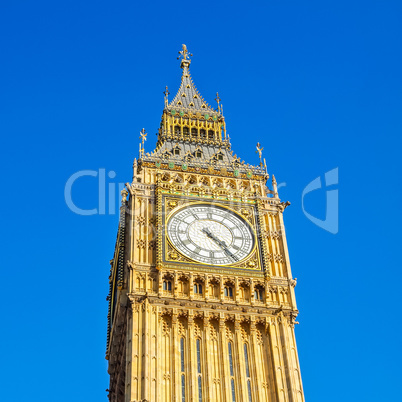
(220, 243)
(214, 238)
(209, 234)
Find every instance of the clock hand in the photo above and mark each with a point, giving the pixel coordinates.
(220, 243)
(228, 253)
(211, 236)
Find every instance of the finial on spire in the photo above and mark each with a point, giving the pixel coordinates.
(184, 53)
(259, 152)
(166, 93)
(218, 99)
(274, 186)
(124, 194)
(143, 137)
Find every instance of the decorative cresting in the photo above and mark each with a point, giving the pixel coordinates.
(192, 136)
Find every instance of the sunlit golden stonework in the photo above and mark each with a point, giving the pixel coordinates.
(201, 303)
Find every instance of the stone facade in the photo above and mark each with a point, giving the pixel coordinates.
(179, 330)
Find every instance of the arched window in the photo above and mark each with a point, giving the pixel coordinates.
(199, 389)
(228, 291)
(202, 133)
(182, 354)
(177, 130)
(167, 285)
(210, 135)
(250, 398)
(183, 286)
(214, 289)
(233, 390)
(232, 384)
(259, 294)
(198, 288)
(183, 378)
(199, 370)
(194, 133)
(231, 359)
(183, 388)
(185, 130)
(246, 361)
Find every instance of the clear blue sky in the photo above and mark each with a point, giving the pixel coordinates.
(317, 83)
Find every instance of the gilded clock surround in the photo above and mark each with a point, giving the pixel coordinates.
(161, 302)
(248, 213)
(218, 208)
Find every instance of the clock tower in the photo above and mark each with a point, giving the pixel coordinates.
(201, 303)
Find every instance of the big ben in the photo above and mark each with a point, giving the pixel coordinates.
(201, 304)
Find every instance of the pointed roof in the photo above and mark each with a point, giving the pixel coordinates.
(192, 136)
(187, 96)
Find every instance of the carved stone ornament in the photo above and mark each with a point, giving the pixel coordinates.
(293, 282)
(141, 220)
(172, 204)
(124, 194)
(173, 255)
(141, 243)
(278, 258)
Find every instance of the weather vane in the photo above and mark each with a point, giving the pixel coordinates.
(143, 137)
(184, 53)
(166, 93)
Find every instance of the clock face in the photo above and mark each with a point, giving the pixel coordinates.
(210, 234)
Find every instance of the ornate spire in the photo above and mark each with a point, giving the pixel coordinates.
(218, 99)
(188, 97)
(192, 135)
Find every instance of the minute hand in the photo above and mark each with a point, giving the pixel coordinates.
(220, 243)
